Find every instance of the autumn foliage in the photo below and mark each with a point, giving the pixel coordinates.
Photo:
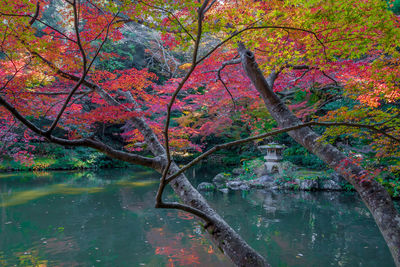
(328, 50)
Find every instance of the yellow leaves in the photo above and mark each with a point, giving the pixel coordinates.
(189, 118)
(39, 79)
(41, 165)
(364, 115)
(185, 66)
(395, 168)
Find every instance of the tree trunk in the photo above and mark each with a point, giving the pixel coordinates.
(373, 194)
(220, 232)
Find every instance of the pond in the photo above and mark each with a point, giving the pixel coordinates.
(106, 218)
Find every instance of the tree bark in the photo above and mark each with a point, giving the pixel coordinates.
(373, 194)
(220, 232)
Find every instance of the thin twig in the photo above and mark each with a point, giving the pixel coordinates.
(251, 27)
(224, 64)
(174, 95)
(173, 15)
(272, 133)
(84, 67)
(86, 142)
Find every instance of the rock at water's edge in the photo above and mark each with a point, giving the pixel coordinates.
(236, 185)
(220, 178)
(330, 185)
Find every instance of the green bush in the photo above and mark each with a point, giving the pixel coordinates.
(300, 156)
(51, 157)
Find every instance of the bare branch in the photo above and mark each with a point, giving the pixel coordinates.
(224, 64)
(36, 15)
(14, 75)
(274, 75)
(209, 6)
(174, 95)
(173, 15)
(179, 206)
(85, 142)
(252, 27)
(373, 128)
(78, 36)
(56, 30)
(85, 70)
(227, 89)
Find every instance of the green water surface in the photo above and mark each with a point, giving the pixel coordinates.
(106, 218)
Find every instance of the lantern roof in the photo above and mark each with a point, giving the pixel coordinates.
(272, 145)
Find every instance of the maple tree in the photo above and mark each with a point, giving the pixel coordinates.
(54, 85)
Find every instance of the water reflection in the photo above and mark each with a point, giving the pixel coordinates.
(107, 218)
(307, 228)
(18, 198)
(100, 219)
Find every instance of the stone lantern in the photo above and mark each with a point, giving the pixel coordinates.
(273, 156)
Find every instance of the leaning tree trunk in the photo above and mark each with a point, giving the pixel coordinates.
(373, 194)
(220, 232)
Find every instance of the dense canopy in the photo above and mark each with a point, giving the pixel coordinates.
(165, 76)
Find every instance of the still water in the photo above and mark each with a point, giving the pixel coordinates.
(106, 218)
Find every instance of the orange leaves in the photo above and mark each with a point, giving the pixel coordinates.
(363, 177)
(133, 78)
(372, 99)
(180, 139)
(126, 80)
(373, 83)
(185, 215)
(182, 257)
(109, 114)
(354, 35)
